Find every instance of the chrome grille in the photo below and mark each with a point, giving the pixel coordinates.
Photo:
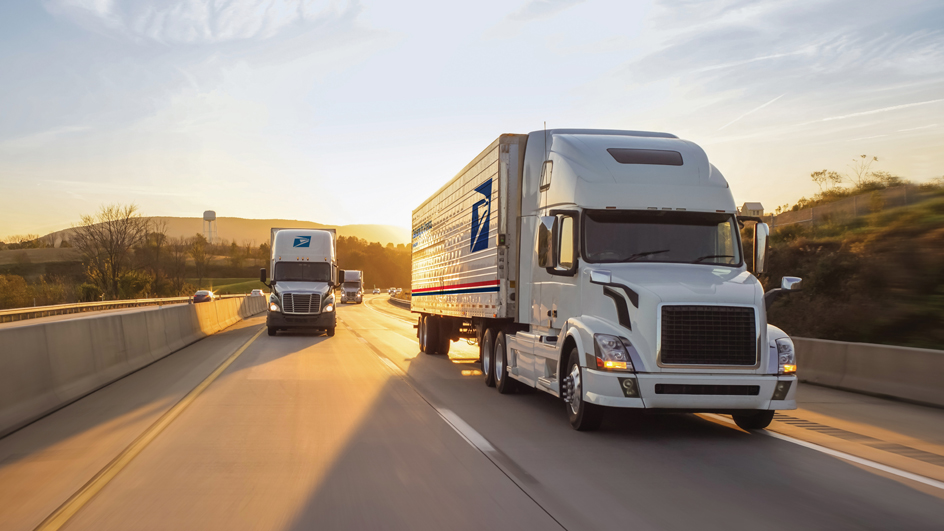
(301, 303)
(708, 335)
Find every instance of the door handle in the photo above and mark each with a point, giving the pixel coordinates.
(552, 313)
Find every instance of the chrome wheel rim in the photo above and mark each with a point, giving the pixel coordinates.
(578, 392)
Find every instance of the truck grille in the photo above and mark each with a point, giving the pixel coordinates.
(301, 303)
(708, 335)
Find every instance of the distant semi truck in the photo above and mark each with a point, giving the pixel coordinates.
(352, 290)
(605, 268)
(304, 275)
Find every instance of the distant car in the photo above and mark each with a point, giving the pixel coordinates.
(376, 291)
(256, 293)
(204, 295)
(399, 291)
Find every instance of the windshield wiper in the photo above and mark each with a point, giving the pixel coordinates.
(636, 256)
(707, 256)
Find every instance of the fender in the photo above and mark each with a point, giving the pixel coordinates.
(583, 338)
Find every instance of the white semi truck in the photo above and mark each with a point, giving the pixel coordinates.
(304, 275)
(605, 268)
(352, 290)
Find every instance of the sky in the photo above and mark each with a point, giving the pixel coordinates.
(346, 112)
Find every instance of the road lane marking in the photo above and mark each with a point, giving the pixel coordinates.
(390, 315)
(88, 491)
(841, 455)
(465, 431)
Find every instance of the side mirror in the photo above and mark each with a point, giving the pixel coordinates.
(791, 283)
(547, 229)
(761, 247)
(262, 275)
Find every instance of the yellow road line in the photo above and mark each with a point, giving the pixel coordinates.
(88, 491)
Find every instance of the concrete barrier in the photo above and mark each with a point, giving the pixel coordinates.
(45, 366)
(912, 374)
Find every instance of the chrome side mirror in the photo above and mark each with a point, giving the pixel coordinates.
(791, 283)
(547, 228)
(761, 247)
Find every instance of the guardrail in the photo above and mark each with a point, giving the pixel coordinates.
(20, 314)
(399, 302)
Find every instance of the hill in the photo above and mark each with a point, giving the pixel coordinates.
(241, 230)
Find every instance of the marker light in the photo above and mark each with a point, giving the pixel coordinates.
(789, 369)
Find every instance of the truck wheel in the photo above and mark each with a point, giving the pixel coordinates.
(487, 356)
(504, 383)
(582, 416)
(330, 331)
(443, 331)
(433, 344)
(754, 421)
(272, 331)
(421, 332)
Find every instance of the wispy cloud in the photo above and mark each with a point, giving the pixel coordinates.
(883, 109)
(538, 9)
(917, 128)
(197, 21)
(752, 111)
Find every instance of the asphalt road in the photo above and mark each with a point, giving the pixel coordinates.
(361, 431)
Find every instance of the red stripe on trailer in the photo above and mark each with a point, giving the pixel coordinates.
(459, 286)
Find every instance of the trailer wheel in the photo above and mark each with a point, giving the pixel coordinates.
(272, 330)
(504, 383)
(421, 332)
(487, 356)
(755, 421)
(582, 416)
(433, 342)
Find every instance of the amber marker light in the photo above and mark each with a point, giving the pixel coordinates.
(472, 372)
(614, 365)
(789, 369)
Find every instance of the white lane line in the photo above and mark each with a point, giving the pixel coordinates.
(392, 365)
(842, 455)
(465, 431)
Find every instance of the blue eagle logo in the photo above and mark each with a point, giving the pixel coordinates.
(302, 241)
(481, 212)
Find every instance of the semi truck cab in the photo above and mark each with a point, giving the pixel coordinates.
(352, 290)
(304, 275)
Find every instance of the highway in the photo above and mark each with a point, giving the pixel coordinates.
(361, 431)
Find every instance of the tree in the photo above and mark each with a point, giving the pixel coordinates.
(106, 241)
(198, 251)
(235, 255)
(861, 171)
(178, 250)
(152, 253)
(826, 178)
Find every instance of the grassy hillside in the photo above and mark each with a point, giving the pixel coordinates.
(257, 230)
(875, 279)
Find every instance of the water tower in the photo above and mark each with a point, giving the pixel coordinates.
(209, 226)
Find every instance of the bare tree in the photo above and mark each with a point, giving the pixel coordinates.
(153, 251)
(107, 240)
(826, 178)
(861, 170)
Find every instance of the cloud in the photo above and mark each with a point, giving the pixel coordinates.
(538, 9)
(752, 111)
(883, 109)
(196, 21)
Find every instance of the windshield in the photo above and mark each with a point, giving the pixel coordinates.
(661, 236)
(303, 271)
(352, 284)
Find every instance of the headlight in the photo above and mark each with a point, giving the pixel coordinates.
(787, 355)
(611, 353)
(273, 307)
(329, 307)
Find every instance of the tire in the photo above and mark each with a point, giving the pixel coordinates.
(443, 330)
(421, 332)
(754, 421)
(504, 383)
(486, 356)
(330, 331)
(272, 331)
(582, 416)
(432, 334)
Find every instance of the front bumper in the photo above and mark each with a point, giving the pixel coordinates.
(605, 389)
(321, 320)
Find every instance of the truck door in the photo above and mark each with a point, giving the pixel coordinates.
(556, 294)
